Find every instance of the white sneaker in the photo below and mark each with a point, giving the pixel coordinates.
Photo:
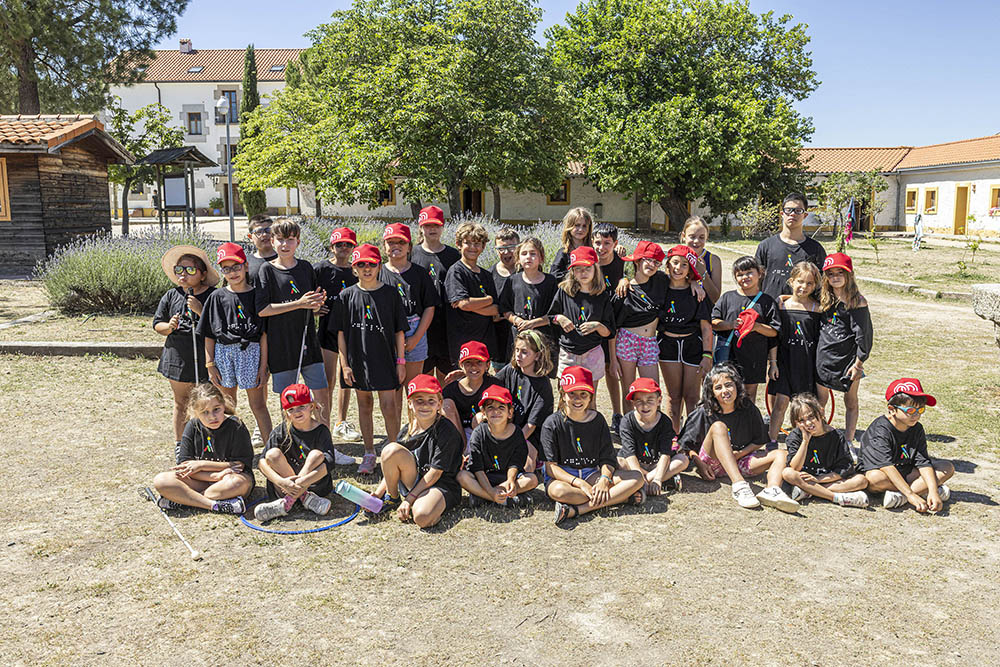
(255, 439)
(345, 431)
(271, 510)
(774, 497)
(945, 493)
(851, 499)
(893, 499)
(855, 452)
(798, 494)
(342, 459)
(743, 495)
(315, 504)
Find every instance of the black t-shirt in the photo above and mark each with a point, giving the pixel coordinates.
(174, 301)
(827, 453)
(414, 286)
(463, 326)
(230, 442)
(797, 352)
(492, 455)
(437, 265)
(613, 272)
(500, 328)
(370, 321)
(231, 317)
(647, 446)
(296, 444)
(778, 258)
(284, 332)
(578, 444)
(883, 445)
(529, 301)
(746, 427)
(533, 400)
(560, 264)
(682, 313)
(439, 447)
(582, 308)
(253, 265)
(642, 303)
(754, 347)
(844, 335)
(334, 279)
(467, 405)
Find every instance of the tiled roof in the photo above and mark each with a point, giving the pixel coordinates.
(829, 160)
(216, 64)
(48, 130)
(983, 149)
(575, 168)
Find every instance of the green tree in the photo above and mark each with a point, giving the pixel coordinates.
(61, 56)
(141, 132)
(837, 190)
(254, 200)
(687, 100)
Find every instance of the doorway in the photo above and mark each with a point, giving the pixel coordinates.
(472, 201)
(237, 204)
(961, 208)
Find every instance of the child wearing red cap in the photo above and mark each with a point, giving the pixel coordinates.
(461, 397)
(742, 335)
(423, 464)
(845, 338)
(647, 438)
(581, 472)
(334, 275)
(421, 298)
(725, 433)
(894, 454)
(526, 377)
(577, 226)
(214, 468)
(498, 455)
(526, 297)
(437, 258)
(370, 322)
(582, 310)
(694, 234)
(235, 342)
(638, 313)
(298, 458)
(470, 293)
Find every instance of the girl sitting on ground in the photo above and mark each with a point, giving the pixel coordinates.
(581, 471)
(298, 458)
(647, 438)
(214, 470)
(526, 378)
(461, 396)
(499, 457)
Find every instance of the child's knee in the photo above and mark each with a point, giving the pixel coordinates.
(464, 477)
(273, 455)
(164, 479)
(424, 518)
(791, 475)
(945, 469)
(875, 478)
(719, 428)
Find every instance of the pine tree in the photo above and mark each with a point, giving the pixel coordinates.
(254, 201)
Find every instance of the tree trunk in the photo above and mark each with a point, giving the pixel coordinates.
(415, 207)
(496, 202)
(319, 204)
(454, 200)
(128, 185)
(27, 80)
(676, 211)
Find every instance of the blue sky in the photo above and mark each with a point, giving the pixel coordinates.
(893, 72)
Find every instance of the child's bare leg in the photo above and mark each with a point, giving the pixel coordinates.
(678, 464)
(525, 482)
(878, 481)
(428, 508)
(469, 482)
(532, 462)
(851, 410)
(628, 370)
(180, 391)
(228, 487)
(673, 388)
(182, 490)
(322, 398)
(231, 394)
(777, 415)
(692, 388)
(752, 392)
(720, 447)
(330, 361)
(413, 369)
(563, 492)
(277, 462)
(943, 470)
(854, 483)
(794, 477)
(366, 406)
(257, 398)
(772, 462)
(390, 408)
(398, 465)
(614, 390)
(625, 484)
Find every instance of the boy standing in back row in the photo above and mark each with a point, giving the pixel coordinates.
(437, 258)
(259, 233)
(782, 251)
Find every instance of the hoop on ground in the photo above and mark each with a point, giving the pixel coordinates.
(272, 531)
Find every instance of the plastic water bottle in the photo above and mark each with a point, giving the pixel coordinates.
(359, 497)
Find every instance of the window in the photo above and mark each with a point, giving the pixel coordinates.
(994, 198)
(235, 147)
(277, 68)
(195, 70)
(234, 108)
(387, 197)
(4, 191)
(930, 200)
(560, 196)
(194, 123)
(911, 200)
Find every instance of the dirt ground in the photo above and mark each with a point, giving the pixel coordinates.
(94, 575)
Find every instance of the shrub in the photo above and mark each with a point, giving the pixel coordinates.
(758, 219)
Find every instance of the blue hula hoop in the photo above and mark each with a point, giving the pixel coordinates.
(357, 510)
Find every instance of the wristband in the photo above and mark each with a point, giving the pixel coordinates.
(209, 364)
(400, 361)
(607, 478)
(707, 355)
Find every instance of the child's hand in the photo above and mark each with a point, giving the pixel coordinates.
(400, 373)
(806, 477)
(705, 365)
(185, 469)
(855, 371)
(614, 368)
(918, 503)
(564, 322)
(698, 291)
(623, 288)
(194, 305)
(348, 375)
(703, 470)
(499, 494)
(600, 492)
(478, 418)
(653, 487)
(175, 322)
(772, 369)
(262, 375)
(312, 300)
(214, 376)
(324, 309)
(588, 328)
(409, 343)
(934, 503)
(403, 513)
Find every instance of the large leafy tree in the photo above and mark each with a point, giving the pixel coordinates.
(443, 93)
(687, 99)
(254, 200)
(60, 56)
(147, 129)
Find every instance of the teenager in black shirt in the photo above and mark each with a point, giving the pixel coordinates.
(437, 258)
(779, 253)
(507, 241)
(470, 294)
(604, 239)
(577, 225)
(259, 233)
(526, 296)
(647, 438)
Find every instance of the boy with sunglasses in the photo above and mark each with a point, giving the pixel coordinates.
(259, 233)
(782, 251)
(894, 452)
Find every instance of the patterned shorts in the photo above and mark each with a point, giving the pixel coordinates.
(238, 367)
(642, 350)
(743, 464)
(593, 360)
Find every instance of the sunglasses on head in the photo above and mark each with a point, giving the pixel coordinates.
(909, 410)
(181, 270)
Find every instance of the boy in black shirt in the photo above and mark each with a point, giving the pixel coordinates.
(507, 241)
(647, 437)
(259, 233)
(780, 252)
(605, 240)
(437, 258)
(471, 295)
(894, 452)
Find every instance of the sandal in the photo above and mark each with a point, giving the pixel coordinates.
(638, 498)
(563, 512)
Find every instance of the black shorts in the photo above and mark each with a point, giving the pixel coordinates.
(686, 350)
(322, 488)
(328, 340)
(790, 383)
(439, 362)
(451, 496)
(177, 359)
(754, 371)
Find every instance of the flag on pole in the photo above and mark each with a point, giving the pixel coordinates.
(849, 225)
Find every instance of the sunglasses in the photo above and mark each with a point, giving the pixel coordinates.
(506, 248)
(793, 211)
(909, 410)
(266, 231)
(233, 268)
(181, 270)
(343, 244)
(365, 265)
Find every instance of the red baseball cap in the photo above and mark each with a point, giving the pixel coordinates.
(430, 215)
(909, 386)
(423, 384)
(576, 377)
(744, 324)
(232, 251)
(343, 235)
(646, 250)
(473, 350)
(688, 254)
(838, 260)
(294, 395)
(397, 230)
(643, 385)
(496, 392)
(583, 256)
(366, 253)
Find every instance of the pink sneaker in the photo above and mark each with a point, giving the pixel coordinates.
(367, 466)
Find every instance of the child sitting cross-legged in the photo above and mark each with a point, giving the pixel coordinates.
(647, 437)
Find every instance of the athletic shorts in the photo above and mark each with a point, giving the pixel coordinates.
(641, 350)
(743, 464)
(686, 350)
(419, 353)
(440, 363)
(451, 496)
(592, 360)
(238, 367)
(583, 473)
(313, 376)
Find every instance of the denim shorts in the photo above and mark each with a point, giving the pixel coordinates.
(419, 353)
(582, 473)
(238, 367)
(313, 376)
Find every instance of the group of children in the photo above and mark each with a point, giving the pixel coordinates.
(428, 319)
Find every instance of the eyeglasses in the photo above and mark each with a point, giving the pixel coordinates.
(343, 244)
(232, 268)
(793, 211)
(909, 410)
(181, 270)
(262, 231)
(506, 248)
(365, 265)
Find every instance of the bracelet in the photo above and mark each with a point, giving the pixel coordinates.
(607, 478)
(400, 361)
(707, 355)
(209, 364)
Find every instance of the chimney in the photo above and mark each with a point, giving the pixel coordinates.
(186, 46)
